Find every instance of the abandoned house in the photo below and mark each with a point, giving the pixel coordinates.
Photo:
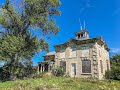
(80, 57)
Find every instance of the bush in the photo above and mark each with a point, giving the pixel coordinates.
(35, 75)
(19, 71)
(114, 73)
(58, 71)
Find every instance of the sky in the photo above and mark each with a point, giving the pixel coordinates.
(102, 18)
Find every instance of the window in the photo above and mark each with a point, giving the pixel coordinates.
(82, 35)
(74, 52)
(85, 47)
(79, 36)
(62, 53)
(101, 66)
(100, 52)
(85, 51)
(86, 66)
(63, 65)
(107, 65)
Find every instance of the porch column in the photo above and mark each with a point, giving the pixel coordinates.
(41, 68)
(38, 69)
(49, 67)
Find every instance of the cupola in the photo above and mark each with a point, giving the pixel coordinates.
(82, 34)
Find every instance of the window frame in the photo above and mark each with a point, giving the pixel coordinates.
(62, 53)
(107, 64)
(101, 66)
(90, 68)
(85, 49)
(74, 50)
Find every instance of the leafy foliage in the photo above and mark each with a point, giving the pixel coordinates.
(114, 73)
(58, 71)
(17, 43)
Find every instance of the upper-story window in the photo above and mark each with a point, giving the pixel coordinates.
(79, 36)
(85, 51)
(74, 52)
(100, 52)
(101, 66)
(82, 35)
(62, 53)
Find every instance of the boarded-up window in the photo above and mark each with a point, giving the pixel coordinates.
(74, 52)
(101, 66)
(86, 66)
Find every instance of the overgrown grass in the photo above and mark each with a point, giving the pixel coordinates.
(59, 83)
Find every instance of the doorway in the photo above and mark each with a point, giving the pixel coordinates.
(73, 69)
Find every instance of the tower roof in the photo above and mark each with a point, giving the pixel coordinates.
(81, 31)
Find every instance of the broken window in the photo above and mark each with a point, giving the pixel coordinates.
(63, 65)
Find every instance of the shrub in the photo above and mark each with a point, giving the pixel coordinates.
(114, 73)
(35, 75)
(19, 72)
(58, 71)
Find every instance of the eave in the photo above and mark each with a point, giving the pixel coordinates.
(86, 41)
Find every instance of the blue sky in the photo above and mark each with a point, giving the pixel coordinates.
(102, 18)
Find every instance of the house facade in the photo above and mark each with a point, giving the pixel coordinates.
(80, 57)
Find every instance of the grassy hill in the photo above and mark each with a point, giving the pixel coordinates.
(59, 83)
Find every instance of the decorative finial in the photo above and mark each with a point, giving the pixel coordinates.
(84, 25)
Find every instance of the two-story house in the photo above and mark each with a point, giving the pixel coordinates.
(80, 57)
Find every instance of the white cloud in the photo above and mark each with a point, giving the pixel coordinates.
(115, 50)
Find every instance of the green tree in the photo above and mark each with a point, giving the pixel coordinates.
(17, 44)
(114, 73)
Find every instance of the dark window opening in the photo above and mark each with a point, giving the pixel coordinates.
(46, 67)
(107, 65)
(101, 65)
(63, 65)
(86, 66)
(82, 35)
(74, 49)
(39, 67)
(79, 36)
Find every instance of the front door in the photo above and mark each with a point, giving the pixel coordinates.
(73, 69)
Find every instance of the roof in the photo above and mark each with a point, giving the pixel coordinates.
(50, 53)
(81, 31)
(85, 41)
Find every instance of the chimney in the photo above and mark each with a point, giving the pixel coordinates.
(101, 38)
